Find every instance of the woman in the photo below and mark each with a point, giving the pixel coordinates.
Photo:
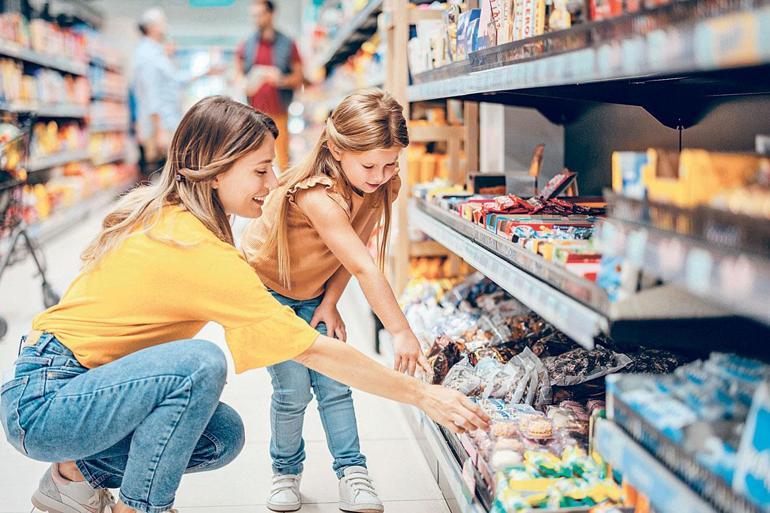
(109, 381)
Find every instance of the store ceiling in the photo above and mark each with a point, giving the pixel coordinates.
(223, 26)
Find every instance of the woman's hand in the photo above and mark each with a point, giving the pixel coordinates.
(452, 409)
(408, 354)
(328, 314)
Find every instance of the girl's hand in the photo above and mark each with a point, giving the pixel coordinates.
(452, 409)
(408, 354)
(329, 315)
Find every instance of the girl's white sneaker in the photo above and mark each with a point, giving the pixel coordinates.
(284, 493)
(357, 493)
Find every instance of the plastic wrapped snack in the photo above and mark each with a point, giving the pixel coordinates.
(442, 356)
(461, 377)
(581, 365)
(535, 427)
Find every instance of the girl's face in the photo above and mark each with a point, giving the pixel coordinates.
(369, 170)
(242, 188)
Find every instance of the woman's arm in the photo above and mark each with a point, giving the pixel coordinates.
(343, 363)
(333, 225)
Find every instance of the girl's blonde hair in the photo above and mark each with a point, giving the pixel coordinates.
(212, 136)
(369, 119)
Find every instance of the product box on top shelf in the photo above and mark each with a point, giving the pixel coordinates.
(687, 179)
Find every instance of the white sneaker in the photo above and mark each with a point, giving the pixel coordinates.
(357, 493)
(57, 494)
(284, 494)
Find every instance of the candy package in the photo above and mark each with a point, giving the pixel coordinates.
(462, 377)
(581, 365)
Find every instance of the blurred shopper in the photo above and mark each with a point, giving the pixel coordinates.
(269, 65)
(157, 91)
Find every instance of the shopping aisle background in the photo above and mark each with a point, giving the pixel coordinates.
(396, 463)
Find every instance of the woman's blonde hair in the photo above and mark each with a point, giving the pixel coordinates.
(212, 136)
(368, 119)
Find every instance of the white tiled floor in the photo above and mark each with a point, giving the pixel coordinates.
(399, 469)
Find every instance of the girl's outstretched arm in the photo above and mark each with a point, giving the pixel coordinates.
(333, 225)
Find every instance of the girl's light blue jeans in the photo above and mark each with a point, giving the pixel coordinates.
(292, 384)
(138, 423)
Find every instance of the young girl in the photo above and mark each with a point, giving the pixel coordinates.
(110, 383)
(311, 240)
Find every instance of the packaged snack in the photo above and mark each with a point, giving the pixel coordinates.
(535, 427)
(461, 377)
(581, 365)
(653, 361)
(442, 356)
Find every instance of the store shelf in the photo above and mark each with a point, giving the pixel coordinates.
(669, 60)
(563, 311)
(8, 49)
(59, 159)
(689, 473)
(727, 275)
(666, 492)
(443, 463)
(59, 222)
(663, 316)
(351, 36)
(111, 159)
(47, 111)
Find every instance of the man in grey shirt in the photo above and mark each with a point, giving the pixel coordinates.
(157, 91)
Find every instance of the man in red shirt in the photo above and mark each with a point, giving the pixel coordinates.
(270, 65)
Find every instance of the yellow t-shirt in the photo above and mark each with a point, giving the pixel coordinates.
(147, 292)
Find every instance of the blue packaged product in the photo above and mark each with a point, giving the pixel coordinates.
(752, 475)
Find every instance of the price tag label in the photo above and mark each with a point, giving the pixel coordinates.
(698, 272)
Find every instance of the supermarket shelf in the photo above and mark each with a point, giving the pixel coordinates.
(111, 159)
(442, 462)
(8, 49)
(700, 480)
(735, 280)
(47, 111)
(563, 311)
(670, 60)
(46, 230)
(667, 493)
(59, 159)
(352, 36)
(427, 133)
(663, 316)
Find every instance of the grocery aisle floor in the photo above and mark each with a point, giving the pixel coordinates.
(396, 463)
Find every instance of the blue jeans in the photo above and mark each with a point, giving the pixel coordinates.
(138, 423)
(291, 395)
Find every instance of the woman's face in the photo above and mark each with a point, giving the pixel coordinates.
(242, 189)
(369, 170)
